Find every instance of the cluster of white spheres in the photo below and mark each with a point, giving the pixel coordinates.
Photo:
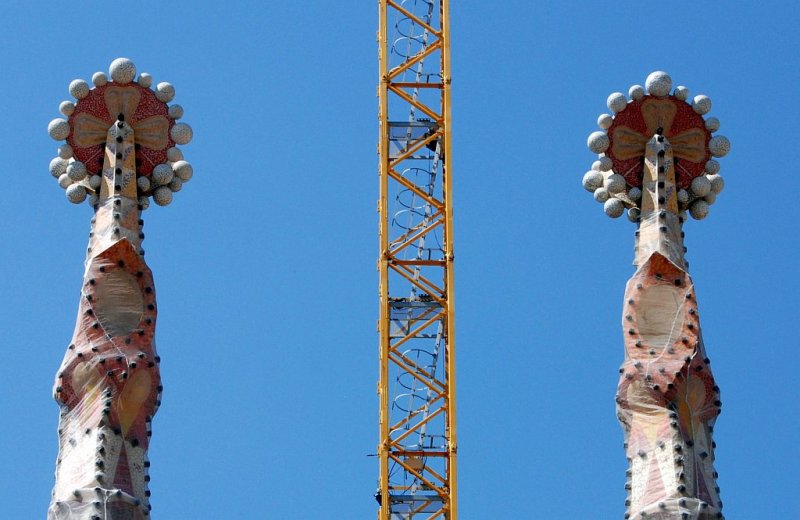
(611, 189)
(702, 193)
(74, 178)
(166, 178)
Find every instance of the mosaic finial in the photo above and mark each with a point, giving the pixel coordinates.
(623, 137)
(151, 135)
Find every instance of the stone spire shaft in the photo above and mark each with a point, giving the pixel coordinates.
(667, 400)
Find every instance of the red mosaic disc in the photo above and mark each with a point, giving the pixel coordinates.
(681, 125)
(140, 108)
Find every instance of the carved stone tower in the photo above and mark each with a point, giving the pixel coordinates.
(655, 160)
(119, 152)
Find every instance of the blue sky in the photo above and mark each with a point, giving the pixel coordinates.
(265, 263)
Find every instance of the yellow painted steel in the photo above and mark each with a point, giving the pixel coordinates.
(383, 261)
(432, 277)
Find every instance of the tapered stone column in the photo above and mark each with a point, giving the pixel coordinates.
(656, 161)
(120, 151)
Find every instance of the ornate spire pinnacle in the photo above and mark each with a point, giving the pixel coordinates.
(154, 166)
(119, 152)
(655, 160)
(617, 175)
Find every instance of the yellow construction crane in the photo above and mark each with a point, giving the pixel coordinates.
(417, 447)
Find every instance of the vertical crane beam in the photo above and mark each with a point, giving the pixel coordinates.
(417, 448)
(656, 159)
(120, 151)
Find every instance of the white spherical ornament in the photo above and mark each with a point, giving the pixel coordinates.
(597, 142)
(94, 198)
(711, 198)
(658, 83)
(66, 108)
(604, 121)
(76, 193)
(144, 201)
(683, 196)
(176, 111)
(592, 180)
(145, 80)
(162, 196)
(603, 164)
(175, 184)
(601, 194)
(701, 186)
(99, 79)
(681, 93)
(78, 89)
(635, 193)
(614, 208)
(58, 129)
(174, 154)
(634, 214)
(65, 151)
(712, 124)
(617, 102)
(636, 92)
(712, 167)
(122, 70)
(181, 133)
(184, 170)
(143, 183)
(58, 167)
(162, 174)
(701, 104)
(76, 171)
(699, 209)
(717, 184)
(719, 146)
(64, 181)
(165, 92)
(615, 183)
(95, 181)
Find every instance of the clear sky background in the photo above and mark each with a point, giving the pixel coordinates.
(265, 262)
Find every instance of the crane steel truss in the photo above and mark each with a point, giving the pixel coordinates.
(417, 446)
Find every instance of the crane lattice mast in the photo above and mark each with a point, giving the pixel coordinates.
(656, 160)
(417, 447)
